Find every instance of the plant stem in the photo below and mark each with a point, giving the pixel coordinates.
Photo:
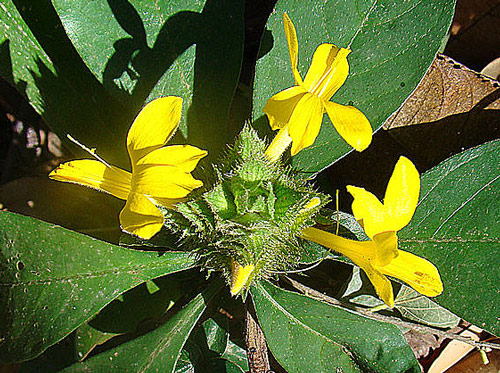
(424, 329)
(258, 360)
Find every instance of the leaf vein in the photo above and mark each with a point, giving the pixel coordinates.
(90, 275)
(465, 203)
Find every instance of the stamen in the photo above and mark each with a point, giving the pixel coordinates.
(338, 214)
(88, 150)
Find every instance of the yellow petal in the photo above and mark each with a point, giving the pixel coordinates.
(401, 196)
(367, 209)
(305, 122)
(279, 108)
(351, 124)
(293, 47)
(141, 217)
(386, 248)
(280, 143)
(417, 272)
(239, 276)
(328, 71)
(153, 127)
(363, 254)
(163, 181)
(313, 202)
(183, 157)
(96, 175)
(381, 284)
(169, 203)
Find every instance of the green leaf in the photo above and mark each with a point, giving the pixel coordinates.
(158, 350)
(148, 301)
(98, 62)
(457, 227)
(54, 280)
(209, 349)
(306, 335)
(393, 44)
(408, 302)
(87, 338)
(417, 307)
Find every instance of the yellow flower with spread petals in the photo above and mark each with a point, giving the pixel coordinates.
(380, 257)
(159, 173)
(298, 111)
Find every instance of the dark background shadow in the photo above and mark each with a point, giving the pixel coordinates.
(101, 113)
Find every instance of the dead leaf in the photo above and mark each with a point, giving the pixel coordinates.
(421, 344)
(473, 363)
(492, 69)
(448, 88)
(454, 351)
(453, 108)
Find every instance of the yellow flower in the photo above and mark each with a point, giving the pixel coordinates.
(380, 257)
(159, 173)
(298, 111)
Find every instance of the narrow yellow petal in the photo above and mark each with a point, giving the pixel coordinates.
(240, 276)
(305, 122)
(141, 217)
(154, 126)
(328, 71)
(351, 124)
(280, 143)
(381, 284)
(417, 272)
(401, 196)
(368, 210)
(183, 157)
(293, 47)
(96, 175)
(280, 107)
(160, 181)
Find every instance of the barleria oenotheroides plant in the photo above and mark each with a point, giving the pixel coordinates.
(250, 221)
(251, 216)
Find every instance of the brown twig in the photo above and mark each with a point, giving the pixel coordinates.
(424, 329)
(258, 359)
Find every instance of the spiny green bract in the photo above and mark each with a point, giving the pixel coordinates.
(253, 213)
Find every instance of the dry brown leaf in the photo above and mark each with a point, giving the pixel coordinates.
(454, 107)
(454, 351)
(473, 363)
(421, 344)
(448, 88)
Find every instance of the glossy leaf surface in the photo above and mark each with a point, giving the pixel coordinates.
(54, 280)
(307, 335)
(158, 350)
(457, 227)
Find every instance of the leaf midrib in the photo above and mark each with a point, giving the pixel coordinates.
(90, 275)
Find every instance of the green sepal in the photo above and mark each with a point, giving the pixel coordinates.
(252, 214)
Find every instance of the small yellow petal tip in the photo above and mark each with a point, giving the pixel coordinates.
(314, 202)
(240, 276)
